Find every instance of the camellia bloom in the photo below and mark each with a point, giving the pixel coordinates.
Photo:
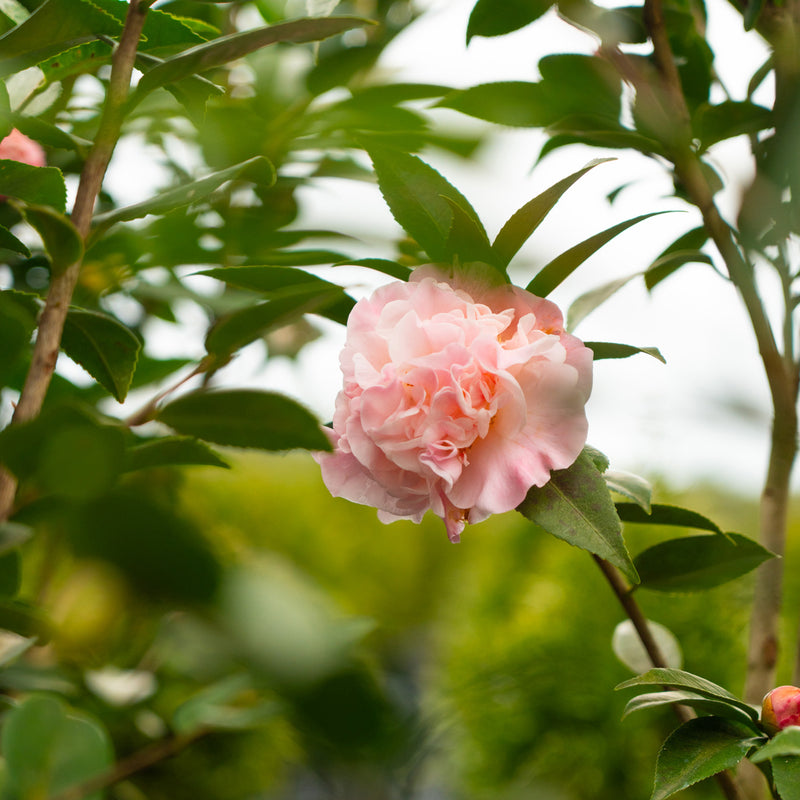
(18, 147)
(781, 708)
(456, 399)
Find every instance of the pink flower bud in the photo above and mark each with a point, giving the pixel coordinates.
(781, 708)
(18, 147)
(457, 399)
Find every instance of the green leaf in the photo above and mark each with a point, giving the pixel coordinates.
(49, 134)
(245, 418)
(12, 535)
(417, 197)
(628, 647)
(698, 702)
(490, 18)
(699, 749)
(257, 169)
(786, 774)
(712, 124)
(24, 620)
(47, 749)
(172, 451)
(17, 323)
(661, 514)
(13, 649)
(10, 242)
(603, 350)
(42, 186)
(665, 265)
(104, 347)
(575, 506)
(696, 563)
(61, 239)
(224, 49)
(467, 240)
(561, 267)
(518, 229)
(784, 743)
(10, 574)
(631, 486)
(678, 679)
(589, 301)
(165, 556)
(387, 267)
(518, 104)
(269, 280)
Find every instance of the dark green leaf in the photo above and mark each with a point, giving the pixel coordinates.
(698, 702)
(631, 486)
(665, 265)
(784, 743)
(12, 535)
(678, 679)
(666, 515)
(518, 104)
(49, 134)
(786, 774)
(10, 242)
(172, 451)
(699, 749)
(518, 229)
(712, 124)
(391, 268)
(561, 267)
(257, 169)
(47, 749)
(36, 185)
(104, 347)
(603, 350)
(269, 280)
(10, 574)
(244, 418)
(695, 563)
(300, 258)
(415, 194)
(467, 240)
(17, 323)
(11, 652)
(391, 94)
(228, 48)
(24, 620)
(163, 555)
(61, 239)
(490, 18)
(575, 506)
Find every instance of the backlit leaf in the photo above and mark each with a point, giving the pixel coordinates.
(628, 647)
(589, 301)
(631, 486)
(603, 350)
(698, 702)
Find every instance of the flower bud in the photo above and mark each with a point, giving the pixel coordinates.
(18, 147)
(781, 708)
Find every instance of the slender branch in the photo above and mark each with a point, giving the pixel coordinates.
(133, 764)
(725, 780)
(62, 287)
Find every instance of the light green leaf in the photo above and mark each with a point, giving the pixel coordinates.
(12, 535)
(489, 18)
(518, 229)
(172, 451)
(561, 267)
(628, 647)
(698, 702)
(678, 679)
(257, 169)
(699, 749)
(42, 186)
(603, 350)
(48, 134)
(786, 774)
(245, 418)
(575, 506)
(104, 347)
(784, 743)
(631, 486)
(696, 563)
(47, 749)
(61, 239)
(228, 48)
(661, 514)
(589, 301)
(712, 124)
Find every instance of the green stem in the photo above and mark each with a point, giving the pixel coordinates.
(62, 287)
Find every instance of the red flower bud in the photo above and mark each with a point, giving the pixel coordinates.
(781, 708)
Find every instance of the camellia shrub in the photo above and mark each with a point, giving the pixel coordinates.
(463, 393)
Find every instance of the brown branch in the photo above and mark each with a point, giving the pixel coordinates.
(725, 780)
(62, 287)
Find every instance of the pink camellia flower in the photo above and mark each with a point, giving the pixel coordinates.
(781, 708)
(456, 399)
(18, 147)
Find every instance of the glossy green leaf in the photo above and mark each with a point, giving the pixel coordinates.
(245, 418)
(61, 239)
(784, 743)
(257, 169)
(628, 647)
(589, 301)
(225, 49)
(699, 749)
(678, 679)
(712, 124)
(55, 26)
(490, 18)
(47, 749)
(561, 267)
(172, 451)
(164, 555)
(696, 563)
(384, 265)
(10, 242)
(574, 505)
(661, 514)
(415, 194)
(240, 328)
(684, 697)
(631, 486)
(522, 223)
(43, 186)
(786, 774)
(104, 347)
(603, 350)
